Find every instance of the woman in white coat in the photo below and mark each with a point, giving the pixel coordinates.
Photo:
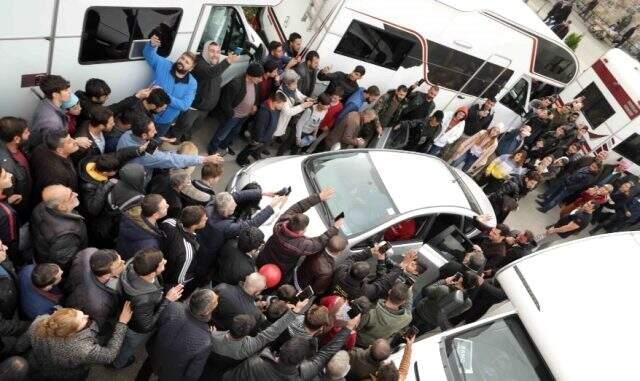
(452, 128)
(295, 104)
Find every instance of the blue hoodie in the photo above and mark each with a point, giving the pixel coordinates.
(181, 93)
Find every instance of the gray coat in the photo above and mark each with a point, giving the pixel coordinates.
(47, 117)
(71, 358)
(307, 81)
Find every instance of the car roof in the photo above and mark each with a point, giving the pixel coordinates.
(577, 304)
(417, 181)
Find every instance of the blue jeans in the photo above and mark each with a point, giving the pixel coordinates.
(132, 341)
(467, 158)
(435, 150)
(225, 134)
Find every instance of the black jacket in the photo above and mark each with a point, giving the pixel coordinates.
(22, 182)
(233, 301)
(307, 81)
(339, 79)
(417, 106)
(264, 367)
(10, 325)
(9, 232)
(146, 300)
(84, 292)
(233, 264)
(49, 168)
(57, 237)
(474, 123)
(179, 248)
(232, 94)
(209, 79)
(350, 288)
(180, 347)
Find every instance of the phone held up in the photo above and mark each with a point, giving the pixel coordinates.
(306, 293)
(339, 216)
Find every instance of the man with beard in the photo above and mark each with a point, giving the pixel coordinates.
(13, 136)
(208, 73)
(419, 104)
(174, 79)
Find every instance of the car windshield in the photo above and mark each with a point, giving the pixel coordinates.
(499, 350)
(360, 193)
(465, 189)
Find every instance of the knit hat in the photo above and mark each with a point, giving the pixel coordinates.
(72, 101)
(255, 70)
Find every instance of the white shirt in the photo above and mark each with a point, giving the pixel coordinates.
(448, 137)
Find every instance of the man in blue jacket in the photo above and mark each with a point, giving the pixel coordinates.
(142, 131)
(174, 79)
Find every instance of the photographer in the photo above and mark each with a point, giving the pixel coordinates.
(444, 300)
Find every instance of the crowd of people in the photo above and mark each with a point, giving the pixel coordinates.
(110, 244)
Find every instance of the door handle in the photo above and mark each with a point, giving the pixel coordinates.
(461, 97)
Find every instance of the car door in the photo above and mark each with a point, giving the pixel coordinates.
(409, 238)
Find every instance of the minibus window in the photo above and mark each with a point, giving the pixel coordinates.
(452, 68)
(224, 26)
(555, 62)
(629, 148)
(516, 98)
(596, 108)
(389, 48)
(108, 32)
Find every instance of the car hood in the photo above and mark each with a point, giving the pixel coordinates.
(479, 196)
(274, 174)
(426, 353)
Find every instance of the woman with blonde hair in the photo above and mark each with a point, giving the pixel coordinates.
(65, 344)
(476, 150)
(502, 168)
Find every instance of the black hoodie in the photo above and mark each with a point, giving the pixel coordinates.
(146, 300)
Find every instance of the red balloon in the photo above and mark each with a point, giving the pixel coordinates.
(272, 274)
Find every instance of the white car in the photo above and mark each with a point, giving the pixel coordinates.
(376, 189)
(562, 321)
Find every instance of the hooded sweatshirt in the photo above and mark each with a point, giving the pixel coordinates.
(451, 131)
(130, 185)
(209, 77)
(146, 299)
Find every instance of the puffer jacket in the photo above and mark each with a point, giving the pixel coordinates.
(146, 300)
(136, 233)
(70, 358)
(381, 322)
(285, 247)
(56, 236)
(84, 292)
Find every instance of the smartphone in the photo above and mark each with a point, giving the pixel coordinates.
(283, 191)
(385, 246)
(420, 82)
(339, 216)
(411, 331)
(306, 293)
(409, 281)
(151, 147)
(457, 276)
(354, 310)
(188, 280)
(288, 191)
(237, 51)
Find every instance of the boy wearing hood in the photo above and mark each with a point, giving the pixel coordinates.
(208, 72)
(142, 288)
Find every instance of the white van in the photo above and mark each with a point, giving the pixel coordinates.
(570, 317)
(612, 105)
(81, 39)
(471, 49)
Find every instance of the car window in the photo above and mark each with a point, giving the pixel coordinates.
(498, 350)
(359, 191)
(407, 230)
(516, 98)
(441, 222)
(596, 109)
(224, 26)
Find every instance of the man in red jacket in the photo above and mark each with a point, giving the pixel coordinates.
(288, 242)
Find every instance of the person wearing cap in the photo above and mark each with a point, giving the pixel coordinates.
(72, 109)
(238, 100)
(348, 82)
(475, 151)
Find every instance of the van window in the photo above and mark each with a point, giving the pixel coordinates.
(516, 98)
(596, 108)
(554, 61)
(452, 69)
(498, 350)
(224, 26)
(630, 148)
(108, 31)
(388, 47)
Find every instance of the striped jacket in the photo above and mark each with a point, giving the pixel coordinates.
(180, 248)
